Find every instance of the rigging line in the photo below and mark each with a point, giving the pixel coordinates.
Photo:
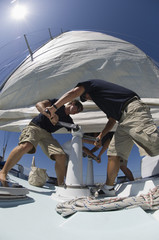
(16, 58)
(21, 36)
(19, 57)
(11, 42)
(130, 36)
(19, 53)
(155, 62)
(37, 45)
(41, 41)
(7, 64)
(103, 31)
(121, 34)
(31, 33)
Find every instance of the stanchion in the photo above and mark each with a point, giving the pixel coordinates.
(74, 180)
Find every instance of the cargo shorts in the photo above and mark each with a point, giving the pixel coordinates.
(36, 135)
(135, 126)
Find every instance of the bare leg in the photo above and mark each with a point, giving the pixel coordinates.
(60, 168)
(112, 169)
(127, 173)
(14, 157)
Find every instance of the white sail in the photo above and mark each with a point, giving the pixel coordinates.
(68, 59)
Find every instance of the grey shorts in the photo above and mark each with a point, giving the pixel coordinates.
(135, 126)
(36, 135)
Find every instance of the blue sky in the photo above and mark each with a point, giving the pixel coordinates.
(136, 21)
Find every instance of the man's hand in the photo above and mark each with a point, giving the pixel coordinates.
(98, 159)
(98, 142)
(51, 110)
(53, 119)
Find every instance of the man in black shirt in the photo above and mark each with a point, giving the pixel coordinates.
(39, 132)
(135, 124)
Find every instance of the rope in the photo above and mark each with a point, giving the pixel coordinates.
(149, 201)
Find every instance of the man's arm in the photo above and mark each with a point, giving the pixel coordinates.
(104, 148)
(110, 124)
(41, 106)
(89, 153)
(67, 97)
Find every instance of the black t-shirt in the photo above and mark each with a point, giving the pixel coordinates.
(43, 122)
(109, 97)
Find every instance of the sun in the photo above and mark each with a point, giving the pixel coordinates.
(19, 12)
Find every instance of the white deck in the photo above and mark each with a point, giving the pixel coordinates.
(36, 218)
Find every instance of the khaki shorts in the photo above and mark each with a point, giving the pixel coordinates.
(36, 135)
(135, 126)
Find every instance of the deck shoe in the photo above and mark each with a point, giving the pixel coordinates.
(106, 192)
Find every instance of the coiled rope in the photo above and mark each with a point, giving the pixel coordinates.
(149, 201)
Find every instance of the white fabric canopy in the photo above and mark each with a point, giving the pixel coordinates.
(68, 59)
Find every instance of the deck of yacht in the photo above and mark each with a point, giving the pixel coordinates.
(36, 217)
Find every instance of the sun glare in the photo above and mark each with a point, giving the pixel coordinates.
(19, 12)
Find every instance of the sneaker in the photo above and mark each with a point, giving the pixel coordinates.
(106, 192)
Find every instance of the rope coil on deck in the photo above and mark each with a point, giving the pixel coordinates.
(149, 201)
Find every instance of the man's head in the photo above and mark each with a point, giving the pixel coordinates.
(75, 106)
(84, 97)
